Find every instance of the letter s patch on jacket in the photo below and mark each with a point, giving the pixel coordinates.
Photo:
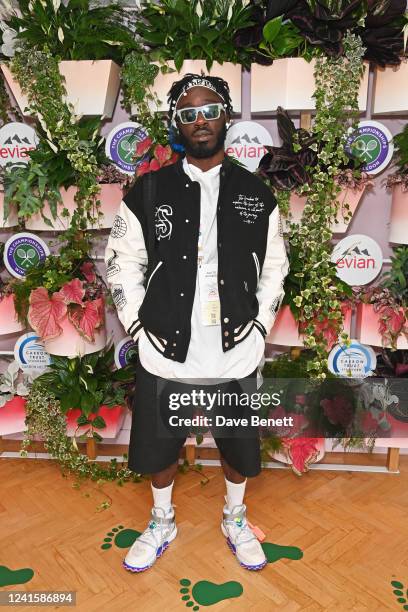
(164, 226)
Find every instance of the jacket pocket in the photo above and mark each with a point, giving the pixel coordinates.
(152, 274)
(257, 266)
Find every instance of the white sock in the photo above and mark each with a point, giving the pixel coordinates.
(235, 493)
(162, 497)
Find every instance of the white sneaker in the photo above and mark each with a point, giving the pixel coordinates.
(152, 543)
(241, 540)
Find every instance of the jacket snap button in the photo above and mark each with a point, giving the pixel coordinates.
(226, 320)
(184, 256)
(226, 333)
(181, 294)
(226, 343)
(187, 220)
(174, 344)
(177, 331)
(221, 282)
(187, 185)
(172, 355)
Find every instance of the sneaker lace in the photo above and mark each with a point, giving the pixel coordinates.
(237, 521)
(154, 535)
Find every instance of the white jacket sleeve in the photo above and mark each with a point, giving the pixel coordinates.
(126, 264)
(270, 291)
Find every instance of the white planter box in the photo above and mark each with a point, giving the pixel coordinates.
(399, 216)
(228, 71)
(290, 83)
(391, 90)
(92, 86)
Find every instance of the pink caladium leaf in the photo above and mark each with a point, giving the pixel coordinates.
(143, 146)
(143, 168)
(73, 291)
(88, 270)
(45, 313)
(100, 304)
(301, 452)
(85, 318)
(154, 165)
(162, 153)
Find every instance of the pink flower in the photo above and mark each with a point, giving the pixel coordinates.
(143, 168)
(143, 146)
(172, 159)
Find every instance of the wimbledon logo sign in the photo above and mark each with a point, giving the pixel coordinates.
(358, 259)
(372, 144)
(246, 142)
(121, 144)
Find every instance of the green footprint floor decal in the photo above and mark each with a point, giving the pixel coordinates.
(122, 538)
(274, 552)
(402, 597)
(9, 576)
(208, 593)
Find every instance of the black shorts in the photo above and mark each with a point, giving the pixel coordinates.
(154, 444)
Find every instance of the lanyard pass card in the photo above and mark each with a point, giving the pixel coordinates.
(209, 298)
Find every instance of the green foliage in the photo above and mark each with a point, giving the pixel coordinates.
(282, 39)
(46, 172)
(401, 149)
(299, 279)
(87, 383)
(397, 276)
(45, 418)
(138, 75)
(195, 29)
(336, 94)
(39, 77)
(75, 31)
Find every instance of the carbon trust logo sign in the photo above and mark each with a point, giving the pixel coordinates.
(16, 139)
(358, 259)
(121, 144)
(22, 252)
(246, 142)
(372, 144)
(354, 361)
(30, 354)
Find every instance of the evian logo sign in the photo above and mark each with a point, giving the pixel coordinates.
(358, 259)
(246, 142)
(16, 139)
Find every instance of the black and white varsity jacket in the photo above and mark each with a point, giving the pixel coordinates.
(157, 295)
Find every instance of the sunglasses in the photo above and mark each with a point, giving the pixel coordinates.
(209, 112)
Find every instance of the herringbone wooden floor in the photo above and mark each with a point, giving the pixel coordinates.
(351, 527)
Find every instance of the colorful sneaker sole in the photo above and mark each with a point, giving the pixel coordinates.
(159, 553)
(244, 565)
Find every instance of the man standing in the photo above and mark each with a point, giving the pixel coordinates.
(214, 287)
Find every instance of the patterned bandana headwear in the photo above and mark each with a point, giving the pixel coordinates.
(180, 88)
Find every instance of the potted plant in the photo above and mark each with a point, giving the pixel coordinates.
(207, 42)
(90, 42)
(14, 389)
(92, 394)
(292, 34)
(63, 300)
(297, 448)
(43, 190)
(287, 330)
(397, 182)
(289, 167)
(382, 311)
